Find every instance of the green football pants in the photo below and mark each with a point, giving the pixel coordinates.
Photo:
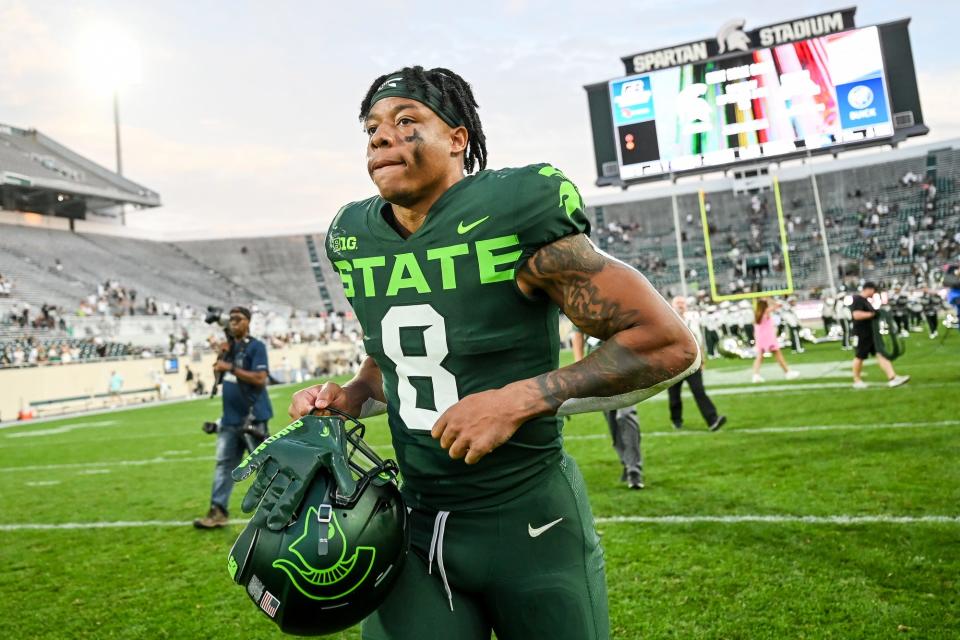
(528, 569)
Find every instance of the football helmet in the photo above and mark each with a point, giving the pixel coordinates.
(731, 347)
(336, 560)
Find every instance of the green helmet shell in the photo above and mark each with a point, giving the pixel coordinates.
(335, 563)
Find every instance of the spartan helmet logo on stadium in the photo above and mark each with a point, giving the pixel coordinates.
(731, 36)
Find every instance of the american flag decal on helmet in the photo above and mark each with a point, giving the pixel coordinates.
(269, 604)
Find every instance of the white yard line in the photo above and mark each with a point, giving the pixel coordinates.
(9, 424)
(115, 463)
(780, 519)
(737, 390)
(590, 436)
(764, 430)
(66, 428)
(168, 435)
(666, 520)
(795, 387)
(273, 390)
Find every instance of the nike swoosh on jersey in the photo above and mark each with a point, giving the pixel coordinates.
(536, 532)
(462, 229)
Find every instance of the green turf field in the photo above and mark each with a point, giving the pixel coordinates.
(716, 546)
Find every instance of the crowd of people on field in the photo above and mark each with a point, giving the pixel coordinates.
(729, 328)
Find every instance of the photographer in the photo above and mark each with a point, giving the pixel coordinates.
(242, 371)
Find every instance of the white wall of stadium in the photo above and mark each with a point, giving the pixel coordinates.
(68, 388)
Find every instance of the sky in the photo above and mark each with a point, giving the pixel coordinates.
(244, 114)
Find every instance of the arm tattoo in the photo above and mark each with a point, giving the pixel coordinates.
(579, 279)
(573, 253)
(569, 264)
(608, 371)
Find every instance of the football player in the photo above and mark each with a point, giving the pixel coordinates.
(456, 277)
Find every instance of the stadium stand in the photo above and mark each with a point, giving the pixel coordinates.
(29, 349)
(40, 175)
(890, 219)
(200, 273)
(281, 266)
(893, 216)
(132, 295)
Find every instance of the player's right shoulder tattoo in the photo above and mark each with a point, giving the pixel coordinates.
(572, 254)
(569, 266)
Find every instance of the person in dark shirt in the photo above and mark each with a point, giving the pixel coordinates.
(246, 409)
(932, 303)
(863, 319)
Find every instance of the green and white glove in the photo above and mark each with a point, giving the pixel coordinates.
(287, 462)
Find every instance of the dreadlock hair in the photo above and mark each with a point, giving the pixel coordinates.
(454, 89)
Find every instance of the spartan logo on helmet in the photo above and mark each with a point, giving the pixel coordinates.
(731, 37)
(336, 579)
(337, 558)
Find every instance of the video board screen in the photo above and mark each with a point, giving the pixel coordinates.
(812, 94)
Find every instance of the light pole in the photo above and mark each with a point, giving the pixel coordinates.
(116, 131)
(823, 227)
(110, 59)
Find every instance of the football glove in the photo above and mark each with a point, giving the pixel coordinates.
(286, 463)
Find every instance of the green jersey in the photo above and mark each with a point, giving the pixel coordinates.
(443, 318)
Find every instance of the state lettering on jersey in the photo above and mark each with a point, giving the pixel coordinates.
(487, 261)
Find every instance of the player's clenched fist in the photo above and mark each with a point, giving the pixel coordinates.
(321, 396)
(476, 425)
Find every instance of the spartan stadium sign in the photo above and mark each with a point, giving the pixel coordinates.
(731, 38)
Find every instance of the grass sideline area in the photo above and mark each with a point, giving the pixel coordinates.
(716, 546)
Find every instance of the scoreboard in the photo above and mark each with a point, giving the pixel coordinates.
(818, 92)
(754, 103)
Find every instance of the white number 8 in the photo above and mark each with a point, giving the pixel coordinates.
(426, 366)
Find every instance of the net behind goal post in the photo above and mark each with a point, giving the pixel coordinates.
(745, 238)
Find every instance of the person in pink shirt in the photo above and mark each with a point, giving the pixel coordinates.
(765, 339)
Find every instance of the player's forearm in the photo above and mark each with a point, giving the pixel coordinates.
(863, 315)
(621, 372)
(647, 346)
(366, 388)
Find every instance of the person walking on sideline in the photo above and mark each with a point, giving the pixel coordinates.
(623, 423)
(694, 380)
(863, 318)
(765, 334)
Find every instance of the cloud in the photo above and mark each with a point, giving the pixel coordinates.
(29, 57)
(938, 99)
(247, 118)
